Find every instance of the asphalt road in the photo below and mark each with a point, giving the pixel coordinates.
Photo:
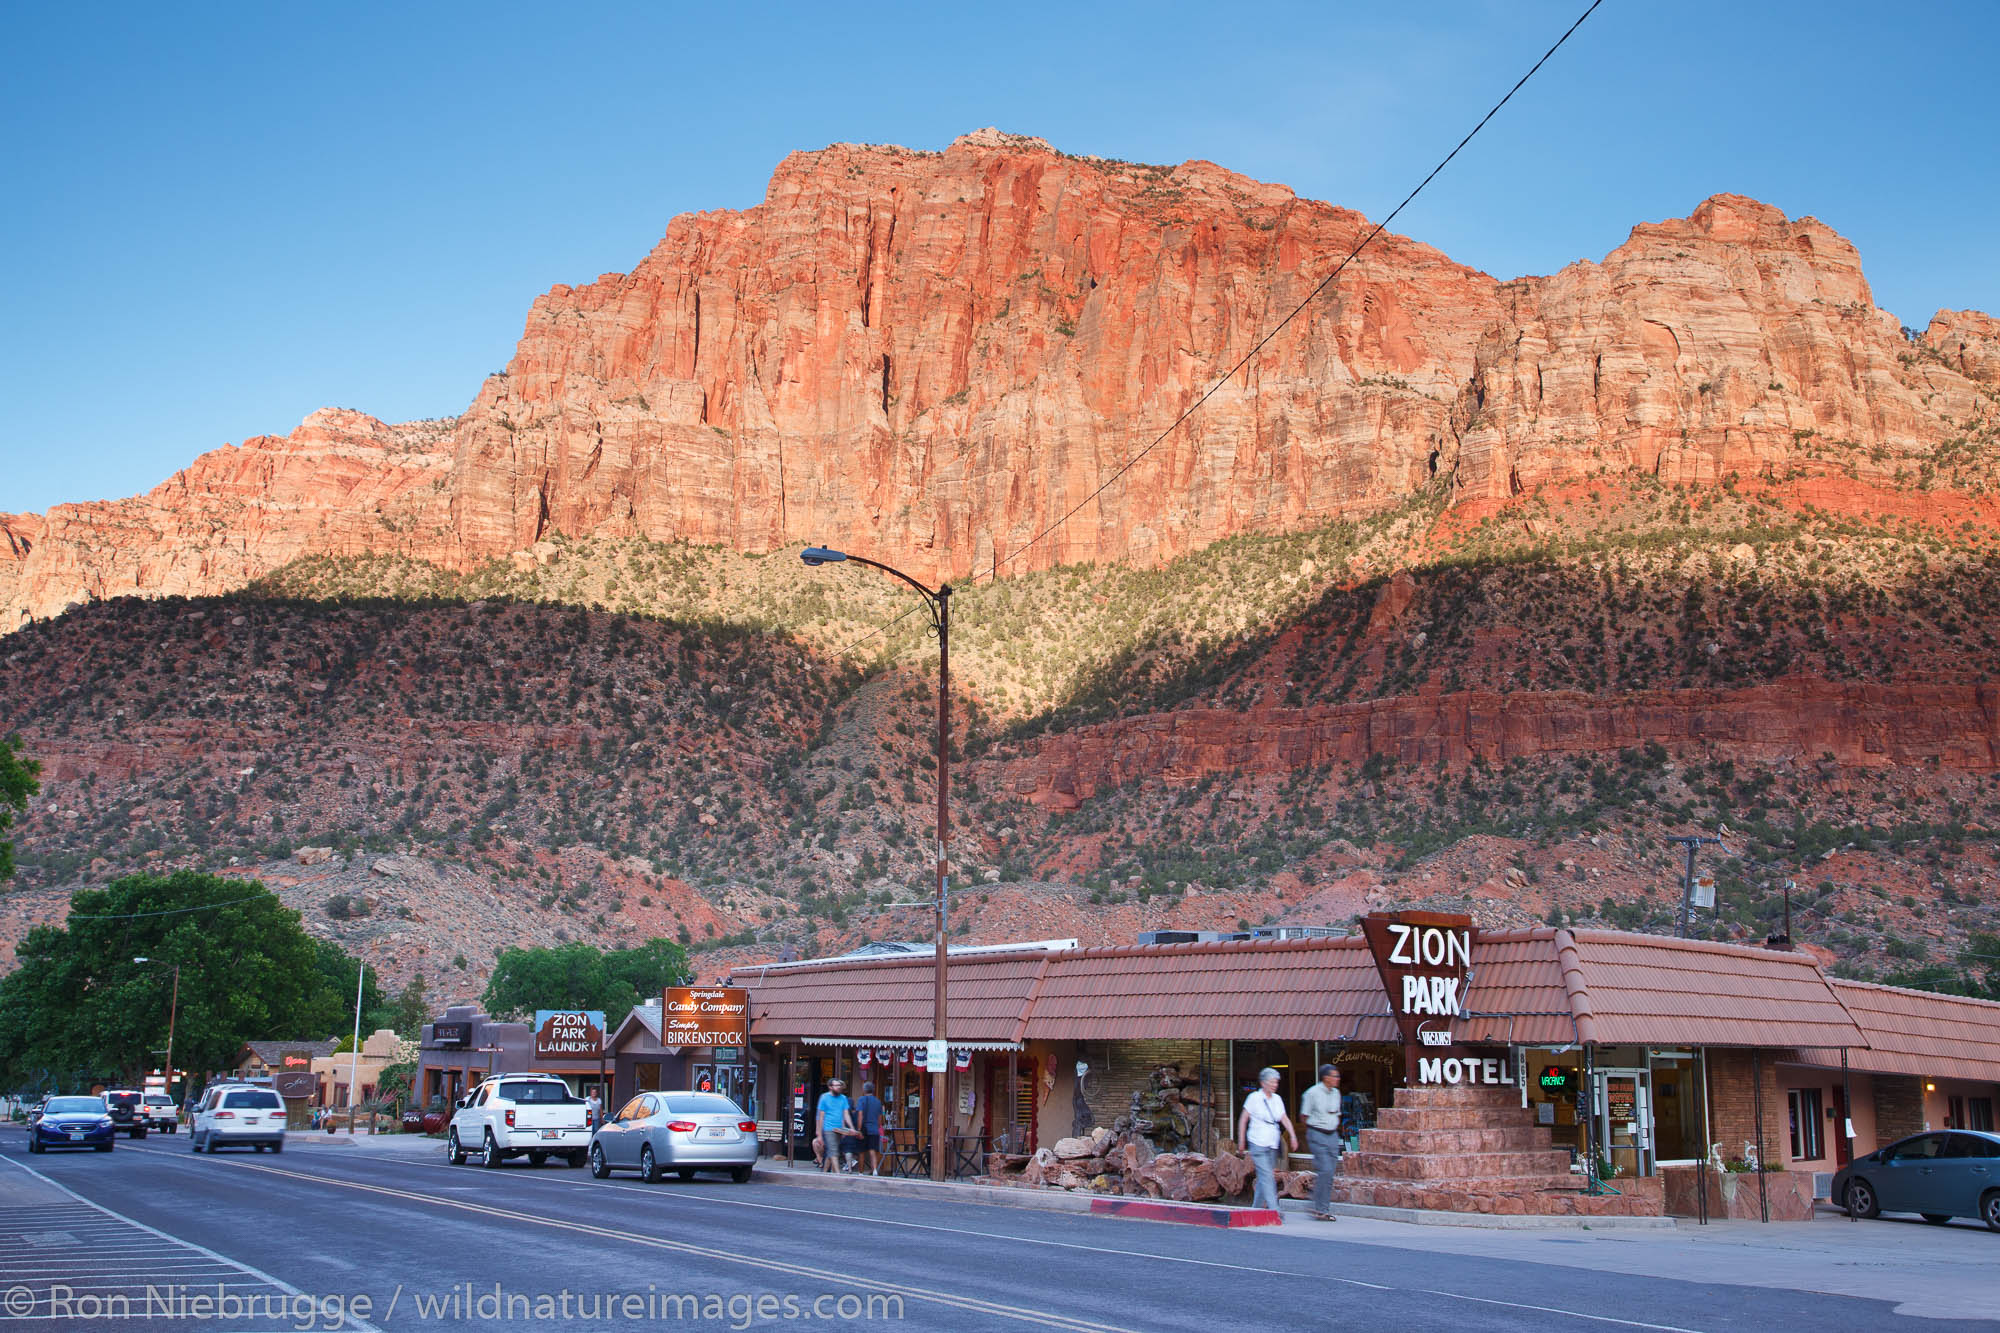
(323, 1238)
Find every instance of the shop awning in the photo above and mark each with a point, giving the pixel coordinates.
(1658, 991)
(892, 1000)
(880, 1043)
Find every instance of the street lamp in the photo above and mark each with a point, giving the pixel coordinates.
(173, 1009)
(938, 602)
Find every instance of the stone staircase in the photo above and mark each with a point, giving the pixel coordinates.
(1475, 1150)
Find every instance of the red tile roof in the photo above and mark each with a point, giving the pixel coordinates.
(1653, 990)
(1515, 992)
(889, 1000)
(1918, 1032)
(1251, 990)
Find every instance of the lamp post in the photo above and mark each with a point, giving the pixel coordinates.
(173, 1009)
(938, 602)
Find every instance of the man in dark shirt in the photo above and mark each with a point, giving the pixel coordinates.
(868, 1119)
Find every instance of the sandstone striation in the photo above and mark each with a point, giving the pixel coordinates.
(941, 354)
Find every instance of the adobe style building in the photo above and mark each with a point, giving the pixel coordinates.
(1579, 1071)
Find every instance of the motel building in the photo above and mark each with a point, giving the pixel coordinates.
(1482, 1071)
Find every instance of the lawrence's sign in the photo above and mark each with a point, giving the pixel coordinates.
(572, 1032)
(705, 1016)
(1425, 960)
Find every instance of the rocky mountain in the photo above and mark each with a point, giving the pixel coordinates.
(940, 354)
(1464, 591)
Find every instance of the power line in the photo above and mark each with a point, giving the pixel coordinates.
(166, 911)
(1297, 310)
(1230, 374)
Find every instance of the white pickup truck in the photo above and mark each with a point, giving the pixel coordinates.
(521, 1115)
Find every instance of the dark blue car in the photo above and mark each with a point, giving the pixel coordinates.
(1939, 1175)
(72, 1122)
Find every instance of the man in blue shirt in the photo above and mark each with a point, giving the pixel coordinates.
(835, 1119)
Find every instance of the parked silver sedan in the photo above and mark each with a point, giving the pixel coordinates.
(682, 1132)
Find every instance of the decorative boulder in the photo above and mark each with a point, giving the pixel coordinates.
(1070, 1150)
(1233, 1172)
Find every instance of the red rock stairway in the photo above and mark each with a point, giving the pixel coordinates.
(1475, 1150)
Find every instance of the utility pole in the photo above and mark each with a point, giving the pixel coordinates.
(354, 1065)
(1690, 841)
(938, 601)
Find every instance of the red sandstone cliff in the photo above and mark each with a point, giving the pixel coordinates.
(940, 353)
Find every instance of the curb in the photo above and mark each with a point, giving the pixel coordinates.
(1373, 1212)
(1194, 1214)
(904, 1187)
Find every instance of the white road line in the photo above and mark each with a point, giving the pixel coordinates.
(974, 1304)
(360, 1325)
(1567, 1314)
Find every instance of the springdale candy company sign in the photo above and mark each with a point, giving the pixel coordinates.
(1425, 961)
(705, 1016)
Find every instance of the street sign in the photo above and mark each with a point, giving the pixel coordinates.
(937, 1055)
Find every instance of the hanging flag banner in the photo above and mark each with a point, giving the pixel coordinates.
(961, 1059)
(884, 1056)
(919, 1058)
(864, 1057)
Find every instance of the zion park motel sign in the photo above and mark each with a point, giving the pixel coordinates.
(1425, 960)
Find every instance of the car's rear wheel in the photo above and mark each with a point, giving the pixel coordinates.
(1861, 1200)
(649, 1167)
(279, 1146)
(537, 1158)
(492, 1158)
(34, 1141)
(598, 1166)
(576, 1158)
(1989, 1210)
(740, 1174)
(1937, 1219)
(454, 1150)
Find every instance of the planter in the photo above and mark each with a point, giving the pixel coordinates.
(1733, 1195)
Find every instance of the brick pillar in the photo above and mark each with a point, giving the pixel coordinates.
(1899, 1107)
(1732, 1105)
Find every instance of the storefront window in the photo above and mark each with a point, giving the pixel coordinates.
(1806, 1116)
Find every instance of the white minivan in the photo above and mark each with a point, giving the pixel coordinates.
(234, 1114)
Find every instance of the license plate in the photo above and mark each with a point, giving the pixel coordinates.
(551, 1133)
(717, 1132)
(76, 1133)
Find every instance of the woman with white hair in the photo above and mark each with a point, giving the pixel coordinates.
(1257, 1129)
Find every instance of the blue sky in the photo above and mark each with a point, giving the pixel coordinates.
(219, 218)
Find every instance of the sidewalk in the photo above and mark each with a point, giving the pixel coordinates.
(1928, 1272)
(385, 1145)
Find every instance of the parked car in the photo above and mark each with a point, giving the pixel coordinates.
(161, 1113)
(1939, 1175)
(233, 1114)
(682, 1132)
(520, 1115)
(72, 1122)
(128, 1111)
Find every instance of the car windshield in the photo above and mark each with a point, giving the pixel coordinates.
(74, 1106)
(545, 1093)
(158, 1099)
(254, 1099)
(698, 1103)
(121, 1098)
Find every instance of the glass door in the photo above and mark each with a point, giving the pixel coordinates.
(1621, 1106)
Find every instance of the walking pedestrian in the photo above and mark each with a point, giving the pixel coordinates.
(836, 1119)
(868, 1119)
(1257, 1128)
(1320, 1109)
(593, 1108)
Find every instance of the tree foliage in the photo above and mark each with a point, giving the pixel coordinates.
(80, 1008)
(17, 783)
(581, 976)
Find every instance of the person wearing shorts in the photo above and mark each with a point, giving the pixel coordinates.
(868, 1119)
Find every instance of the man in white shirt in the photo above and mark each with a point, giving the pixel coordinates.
(1320, 1109)
(1257, 1129)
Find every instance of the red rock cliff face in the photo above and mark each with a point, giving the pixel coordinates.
(940, 354)
(1734, 340)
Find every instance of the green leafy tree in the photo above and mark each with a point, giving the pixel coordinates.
(580, 976)
(79, 1007)
(333, 1001)
(411, 1008)
(17, 783)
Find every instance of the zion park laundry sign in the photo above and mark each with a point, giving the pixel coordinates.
(1425, 961)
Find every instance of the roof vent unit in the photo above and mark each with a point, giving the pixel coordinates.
(1298, 933)
(1172, 936)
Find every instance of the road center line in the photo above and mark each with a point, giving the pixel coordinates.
(1568, 1314)
(971, 1303)
(351, 1321)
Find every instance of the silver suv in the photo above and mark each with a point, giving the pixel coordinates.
(238, 1114)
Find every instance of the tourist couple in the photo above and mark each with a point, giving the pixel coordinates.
(848, 1130)
(1264, 1118)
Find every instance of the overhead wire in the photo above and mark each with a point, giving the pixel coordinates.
(1247, 357)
